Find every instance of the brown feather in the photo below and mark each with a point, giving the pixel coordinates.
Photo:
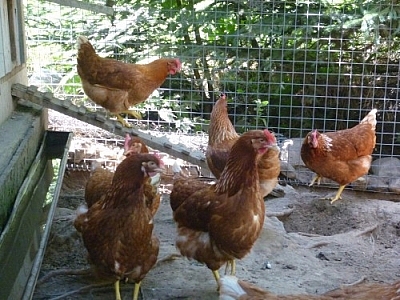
(101, 179)
(222, 136)
(134, 145)
(342, 156)
(221, 222)
(117, 230)
(98, 184)
(116, 85)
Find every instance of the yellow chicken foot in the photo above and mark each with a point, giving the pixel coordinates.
(217, 277)
(117, 293)
(136, 290)
(232, 265)
(122, 121)
(316, 178)
(133, 113)
(338, 194)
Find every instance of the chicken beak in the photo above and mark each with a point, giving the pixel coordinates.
(161, 169)
(127, 153)
(274, 147)
(155, 171)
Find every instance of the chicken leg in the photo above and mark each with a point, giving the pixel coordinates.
(136, 290)
(316, 178)
(117, 292)
(232, 265)
(338, 194)
(131, 112)
(217, 278)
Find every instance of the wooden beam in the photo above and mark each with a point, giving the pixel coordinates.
(99, 119)
(102, 9)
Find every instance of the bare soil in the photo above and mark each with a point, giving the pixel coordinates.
(307, 246)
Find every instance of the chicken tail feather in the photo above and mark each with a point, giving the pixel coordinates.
(81, 40)
(370, 118)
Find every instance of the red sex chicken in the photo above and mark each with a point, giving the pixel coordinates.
(219, 223)
(222, 136)
(100, 179)
(342, 156)
(116, 85)
(117, 230)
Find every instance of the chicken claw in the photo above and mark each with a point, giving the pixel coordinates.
(122, 121)
(133, 113)
(338, 194)
(316, 178)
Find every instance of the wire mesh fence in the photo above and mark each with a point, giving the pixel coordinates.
(290, 66)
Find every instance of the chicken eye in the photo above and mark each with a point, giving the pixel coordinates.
(261, 140)
(258, 141)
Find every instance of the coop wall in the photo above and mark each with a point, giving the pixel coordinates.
(12, 53)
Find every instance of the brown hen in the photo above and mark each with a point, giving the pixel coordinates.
(342, 156)
(219, 223)
(117, 230)
(116, 85)
(100, 179)
(234, 289)
(98, 183)
(222, 136)
(134, 145)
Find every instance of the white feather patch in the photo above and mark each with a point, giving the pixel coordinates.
(82, 209)
(256, 218)
(116, 267)
(204, 238)
(327, 142)
(230, 288)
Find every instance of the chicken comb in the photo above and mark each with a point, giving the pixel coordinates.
(178, 64)
(128, 138)
(314, 133)
(270, 136)
(161, 162)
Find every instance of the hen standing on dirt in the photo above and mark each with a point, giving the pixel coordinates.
(342, 156)
(116, 85)
(117, 231)
(220, 223)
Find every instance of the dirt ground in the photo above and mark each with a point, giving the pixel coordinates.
(312, 248)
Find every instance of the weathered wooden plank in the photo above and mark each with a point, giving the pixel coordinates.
(100, 120)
